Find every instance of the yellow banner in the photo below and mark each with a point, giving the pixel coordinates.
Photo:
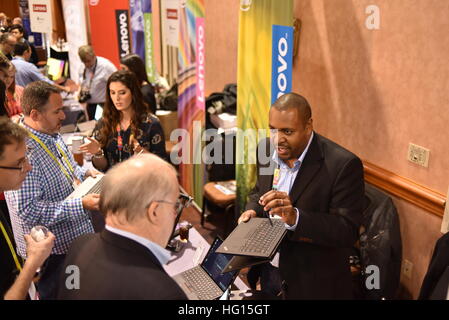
(254, 81)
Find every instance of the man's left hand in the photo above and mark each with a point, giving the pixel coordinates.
(279, 203)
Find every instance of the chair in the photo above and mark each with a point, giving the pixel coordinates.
(217, 194)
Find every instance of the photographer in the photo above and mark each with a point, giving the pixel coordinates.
(93, 78)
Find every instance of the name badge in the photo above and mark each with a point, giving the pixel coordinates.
(276, 177)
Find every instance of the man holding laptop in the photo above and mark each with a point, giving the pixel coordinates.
(319, 196)
(42, 199)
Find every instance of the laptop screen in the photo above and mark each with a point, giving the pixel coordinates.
(214, 263)
(98, 113)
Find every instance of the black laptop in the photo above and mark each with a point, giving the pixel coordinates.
(207, 280)
(256, 238)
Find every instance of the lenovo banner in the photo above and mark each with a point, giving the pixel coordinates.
(121, 19)
(200, 62)
(110, 41)
(281, 61)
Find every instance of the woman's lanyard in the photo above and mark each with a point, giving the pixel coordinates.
(64, 156)
(120, 142)
(11, 248)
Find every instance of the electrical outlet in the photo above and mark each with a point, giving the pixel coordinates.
(407, 268)
(418, 155)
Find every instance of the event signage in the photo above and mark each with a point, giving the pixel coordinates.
(40, 16)
(200, 62)
(281, 61)
(122, 22)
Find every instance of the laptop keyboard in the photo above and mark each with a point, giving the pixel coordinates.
(96, 188)
(262, 238)
(201, 284)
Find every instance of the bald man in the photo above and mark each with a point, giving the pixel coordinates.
(125, 260)
(319, 196)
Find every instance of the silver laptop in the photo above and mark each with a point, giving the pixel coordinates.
(86, 126)
(207, 281)
(88, 186)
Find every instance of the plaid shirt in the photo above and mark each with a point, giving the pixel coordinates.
(41, 199)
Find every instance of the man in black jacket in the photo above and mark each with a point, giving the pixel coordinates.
(139, 199)
(319, 196)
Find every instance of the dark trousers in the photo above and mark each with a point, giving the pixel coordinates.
(269, 276)
(48, 283)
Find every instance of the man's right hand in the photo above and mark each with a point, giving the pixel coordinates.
(245, 216)
(91, 202)
(38, 252)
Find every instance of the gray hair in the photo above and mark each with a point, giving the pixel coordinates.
(86, 52)
(131, 186)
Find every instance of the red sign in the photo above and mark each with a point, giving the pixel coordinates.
(39, 8)
(172, 14)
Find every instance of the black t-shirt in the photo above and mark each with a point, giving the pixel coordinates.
(8, 268)
(150, 136)
(148, 97)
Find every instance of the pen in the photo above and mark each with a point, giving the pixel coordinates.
(276, 176)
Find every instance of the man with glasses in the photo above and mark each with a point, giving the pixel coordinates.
(14, 167)
(140, 200)
(42, 199)
(7, 43)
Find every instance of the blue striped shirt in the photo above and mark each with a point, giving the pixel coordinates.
(41, 199)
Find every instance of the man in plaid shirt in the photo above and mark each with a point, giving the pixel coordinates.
(41, 200)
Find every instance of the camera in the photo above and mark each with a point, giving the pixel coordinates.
(84, 96)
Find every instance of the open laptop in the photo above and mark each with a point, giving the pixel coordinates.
(88, 186)
(207, 280)
(257, 238)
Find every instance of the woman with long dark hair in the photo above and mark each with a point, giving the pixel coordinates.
(14, 94)
(133, 63)
(127, 127)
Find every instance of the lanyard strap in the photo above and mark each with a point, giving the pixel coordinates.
(92, 76)
(11, 248)
(120, 141)
(65, 157)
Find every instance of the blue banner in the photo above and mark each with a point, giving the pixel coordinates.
(281, 61)
(137, 27)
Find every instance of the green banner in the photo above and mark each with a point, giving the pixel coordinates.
(149, 57)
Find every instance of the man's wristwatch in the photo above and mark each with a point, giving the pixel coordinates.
(99, 154)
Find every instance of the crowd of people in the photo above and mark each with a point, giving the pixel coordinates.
(319, 193)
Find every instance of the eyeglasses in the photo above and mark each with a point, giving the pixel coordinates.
(184, 201)
(23, 163)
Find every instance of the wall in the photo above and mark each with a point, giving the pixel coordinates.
(10, 8)
(376, 91)
(222, 23)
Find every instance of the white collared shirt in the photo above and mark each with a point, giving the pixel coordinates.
(287, 176)
(160, 253)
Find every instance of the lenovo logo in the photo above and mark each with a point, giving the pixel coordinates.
(39, 8)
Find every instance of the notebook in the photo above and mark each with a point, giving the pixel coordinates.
(88, 186)
(207, 280)
(257, 238)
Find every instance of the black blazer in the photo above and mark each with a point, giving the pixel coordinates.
(113, 267)
(329, 194)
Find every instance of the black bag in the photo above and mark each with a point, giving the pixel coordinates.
(169, 100)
